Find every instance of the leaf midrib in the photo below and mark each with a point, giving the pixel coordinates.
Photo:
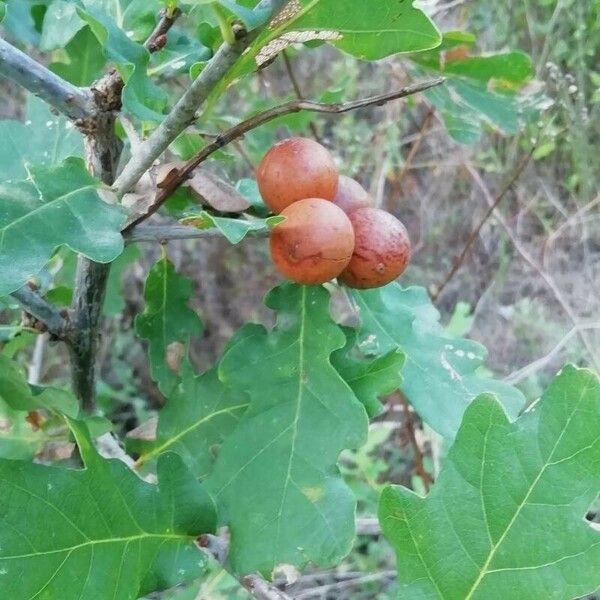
(173, 440)
(299, 397)
(485, 567)
(121, 540)
(42, 208)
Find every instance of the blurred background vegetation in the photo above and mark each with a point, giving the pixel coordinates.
(529, 289)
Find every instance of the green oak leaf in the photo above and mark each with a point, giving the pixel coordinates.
(235, 230)
(440, 373)
(114, 303)
(141, 97)
(511, 66)
(479, 89)
(275, 477)
(505, 519)
(9, 332)
(18, 439)
(124, 536)
(54, 207)
(182, 51)
(43, 139)
(19, 21)
(19, 395)
(82, 61)
(369, 378)
(61, 24)
(197, 417)
(368, 30)
(166, 319)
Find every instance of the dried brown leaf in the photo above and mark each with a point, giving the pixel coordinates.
(210, 190)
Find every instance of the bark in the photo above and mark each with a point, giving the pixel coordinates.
(102, 151)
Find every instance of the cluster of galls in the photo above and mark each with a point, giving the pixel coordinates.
(330, 228)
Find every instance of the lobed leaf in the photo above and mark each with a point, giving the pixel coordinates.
(121, 535)
(43, 140)
(18, 439)
(275, 478)
(166, 320)
(141, 97)
(197, 417)
(440, 374)
(480, 88)
(505, 518)
(369, 378)
(19, 395)
(54, 207)
(368, 30)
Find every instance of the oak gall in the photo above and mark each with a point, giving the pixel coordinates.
(295, 169)
(382, 250)
(350, 195)
(314, 243)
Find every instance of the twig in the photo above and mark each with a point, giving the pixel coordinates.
(131, 133)
(409, 425)
(72, 101)
(340, 586)
(261, 589)
(298, 90)
(56, 321)
(34, 371)
(572, 220)
(475, 233)
(545, 276)
(218, 548)
(415, 148)
(184, 111)
(244, 127)
(157, 39)
(164, 233)
(533, 367)
(368, 526)
(103, 151)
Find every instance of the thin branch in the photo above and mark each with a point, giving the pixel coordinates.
(298, 90)
(258, 587)
(334, 590)
(475, 233)
(409, 425)
(157, 39)
(244, 127)
(103, 151)
(533, 367)
(164, 233)
(185, 110)
(72, 101)
(56, 321)
(570, 222)
(368, 526)
(36, 365)
(415, 148)
(545, 276)
(261, 589)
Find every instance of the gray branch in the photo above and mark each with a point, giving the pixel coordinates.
(72, 101)
(258, 587)
(184, 111)
(58, 323)
(164, 233)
